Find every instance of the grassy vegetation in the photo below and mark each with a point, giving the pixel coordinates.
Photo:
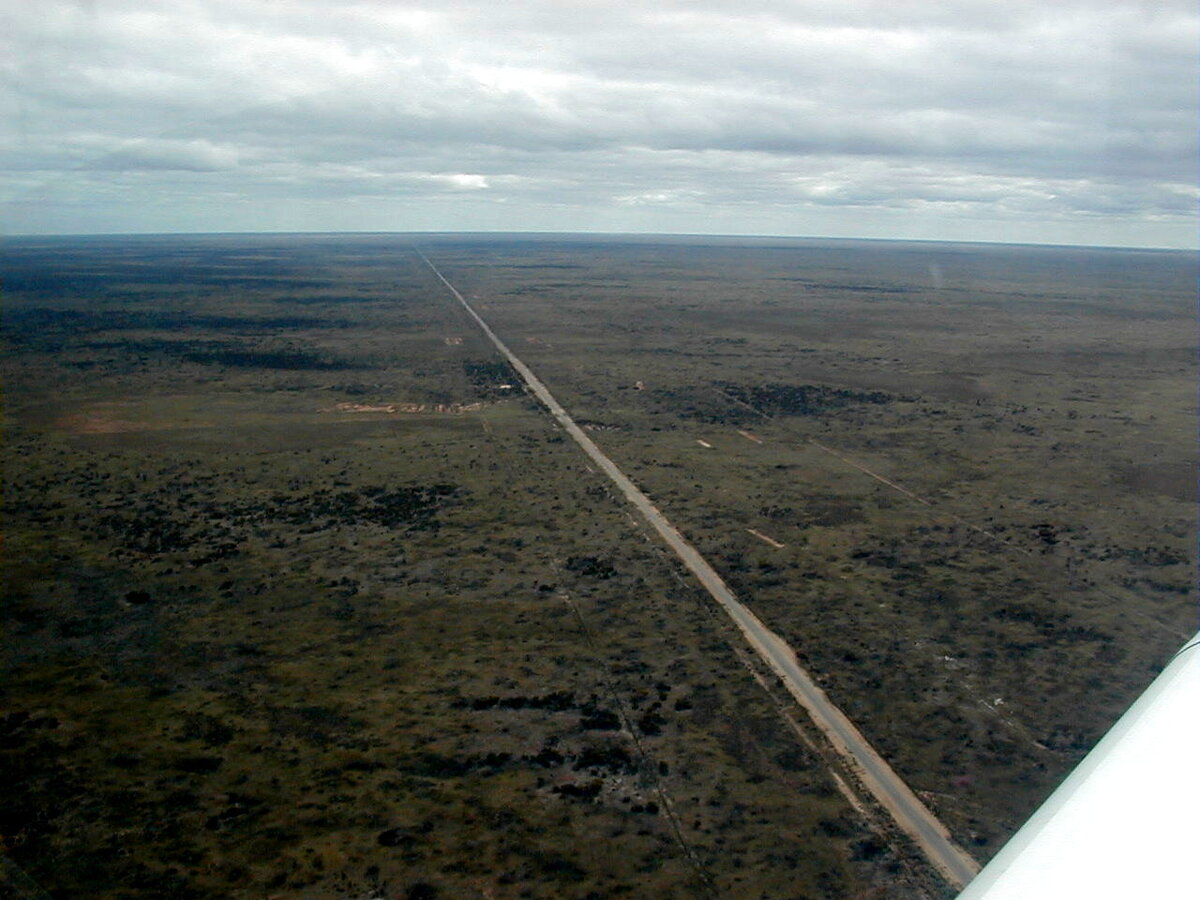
(304, 597)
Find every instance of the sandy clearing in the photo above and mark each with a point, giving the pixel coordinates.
(405, 408)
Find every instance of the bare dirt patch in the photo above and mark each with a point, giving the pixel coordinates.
(91, 424)
(405, 408)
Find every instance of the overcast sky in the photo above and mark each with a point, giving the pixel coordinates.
(998, 120)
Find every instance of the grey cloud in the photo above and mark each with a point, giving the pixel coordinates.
(1083, 109)
(192, 156)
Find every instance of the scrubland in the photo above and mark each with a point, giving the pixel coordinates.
(304, 597)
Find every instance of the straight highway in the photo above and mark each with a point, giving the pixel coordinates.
(871, 770)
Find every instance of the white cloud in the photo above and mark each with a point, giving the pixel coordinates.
(463, 181)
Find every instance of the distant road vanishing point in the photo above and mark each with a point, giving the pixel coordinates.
(876, 776)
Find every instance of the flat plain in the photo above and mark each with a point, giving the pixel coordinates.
(305, 597)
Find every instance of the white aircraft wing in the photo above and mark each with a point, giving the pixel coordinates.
(1126, 823)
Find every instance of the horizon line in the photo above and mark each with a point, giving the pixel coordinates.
(604, 234)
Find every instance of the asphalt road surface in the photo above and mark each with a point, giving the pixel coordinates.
(888, 789)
